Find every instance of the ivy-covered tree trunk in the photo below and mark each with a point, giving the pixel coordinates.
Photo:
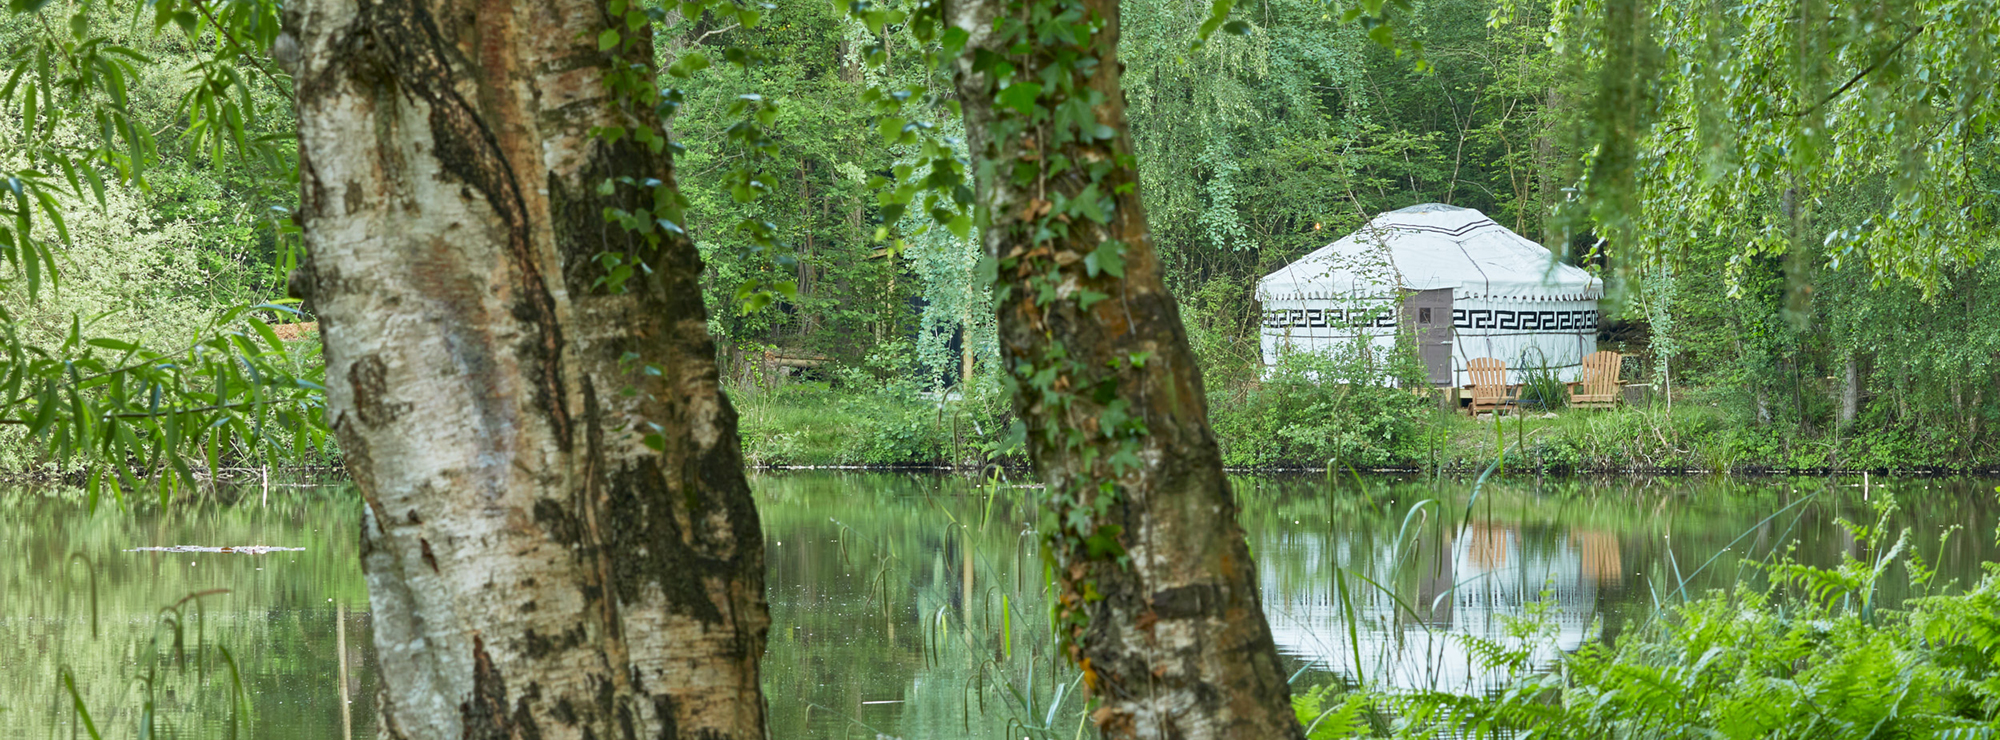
(1158, 596)
(558, 537)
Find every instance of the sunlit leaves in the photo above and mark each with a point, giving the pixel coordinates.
(138, 417)
(1750, 120)
(749, 136)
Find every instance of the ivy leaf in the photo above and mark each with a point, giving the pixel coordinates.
(1104, 543)
(987, 272)
(952, 43)
(1108, 258)
(1021, 97)
(687, 65)
(891, 128)
(1086, 204)
(607, 40)
(1106, 392)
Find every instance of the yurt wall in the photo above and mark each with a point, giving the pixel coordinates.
(1509, 297)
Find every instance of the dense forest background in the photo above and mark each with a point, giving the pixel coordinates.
(1255, 149)
(1258, 148)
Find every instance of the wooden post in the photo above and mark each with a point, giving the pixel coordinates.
(965, 564)
(340, 644)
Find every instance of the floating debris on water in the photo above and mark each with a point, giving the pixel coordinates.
(245, 549)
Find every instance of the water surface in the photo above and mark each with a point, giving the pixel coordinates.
(910, 605)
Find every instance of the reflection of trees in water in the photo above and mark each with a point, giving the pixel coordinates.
(857, 604)
(903, 604)
(277, 620)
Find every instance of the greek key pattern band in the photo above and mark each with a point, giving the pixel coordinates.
(1478, 318)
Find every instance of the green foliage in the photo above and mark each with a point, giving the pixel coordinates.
(121, 349)
(1540, 387)
(870, 421)
(1339, 408)
(1811, 658)
(1754, 123)
(1329, 715)
(1258, 148)
(1221, 318)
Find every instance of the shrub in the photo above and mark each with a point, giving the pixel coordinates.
(1357, 405)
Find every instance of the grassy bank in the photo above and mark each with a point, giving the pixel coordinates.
(1284, 424)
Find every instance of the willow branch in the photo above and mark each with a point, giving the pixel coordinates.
(1851, 81)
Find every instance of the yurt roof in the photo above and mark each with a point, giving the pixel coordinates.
(1430, 246)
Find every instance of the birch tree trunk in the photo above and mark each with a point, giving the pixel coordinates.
(536, 570)
(1850, 389)
(1159, 598)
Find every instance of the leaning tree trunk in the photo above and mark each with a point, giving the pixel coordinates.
(536, 568)
(1159, 603)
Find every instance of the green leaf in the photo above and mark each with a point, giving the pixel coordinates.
(891, 128)
(114, 344)
(1086, 203)
(688, 64)
(1104, 543)
(270, 337)
(1021, 97)
(1108, 258)
(952, 42)
(608, 39)
(987, 272)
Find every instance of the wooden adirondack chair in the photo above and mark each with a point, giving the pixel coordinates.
(1489, 385)
(1598, 387)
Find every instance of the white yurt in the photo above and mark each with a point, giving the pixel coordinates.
(1465, 286)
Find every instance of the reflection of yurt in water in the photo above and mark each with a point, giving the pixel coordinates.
(1463, 587)
(1599, 553)
(1463, 286)
(1487, 545)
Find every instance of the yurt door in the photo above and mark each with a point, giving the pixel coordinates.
(1427, 314)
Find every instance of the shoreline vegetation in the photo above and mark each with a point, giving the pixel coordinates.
(810, 425)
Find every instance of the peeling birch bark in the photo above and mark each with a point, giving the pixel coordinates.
(535, 570)
(1178, 646)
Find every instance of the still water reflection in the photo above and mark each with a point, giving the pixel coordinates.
(72, 598)
(910, 605)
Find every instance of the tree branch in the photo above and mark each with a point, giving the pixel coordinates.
(1851, 81)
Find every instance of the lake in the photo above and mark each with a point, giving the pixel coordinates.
(910, 605)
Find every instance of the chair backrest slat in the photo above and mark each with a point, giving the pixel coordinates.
(1489, 378)
(1600, 373)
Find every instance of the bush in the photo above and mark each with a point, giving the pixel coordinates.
(1357, 405)
(865, 421)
